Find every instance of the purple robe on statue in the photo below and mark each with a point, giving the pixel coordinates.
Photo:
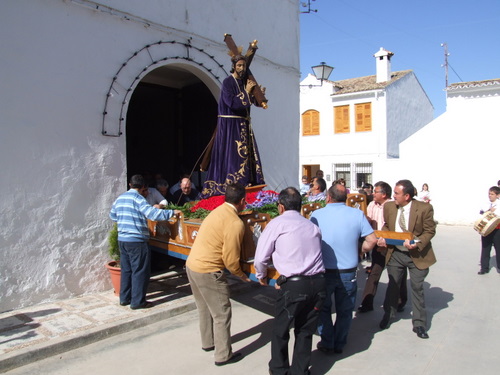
(235, 157)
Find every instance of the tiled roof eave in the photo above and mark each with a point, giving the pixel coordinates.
(368, 83)
(358, 92)
(473, 84)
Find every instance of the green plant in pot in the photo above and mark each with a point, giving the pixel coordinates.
(114, 265)
(113, 249)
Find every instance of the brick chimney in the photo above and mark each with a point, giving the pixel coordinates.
(383, 65)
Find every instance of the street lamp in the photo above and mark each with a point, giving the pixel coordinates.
(322, 71)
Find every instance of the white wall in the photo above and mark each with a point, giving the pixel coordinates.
(60, 175)
(408, 110)
(457, 155)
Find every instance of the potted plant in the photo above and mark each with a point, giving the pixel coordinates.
(114, 265)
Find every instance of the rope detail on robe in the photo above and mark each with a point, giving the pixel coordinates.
(232, 116)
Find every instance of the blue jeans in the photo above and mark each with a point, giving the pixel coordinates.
(135, 263)
(343, 286)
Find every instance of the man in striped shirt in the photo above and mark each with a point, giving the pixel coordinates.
(131, 211)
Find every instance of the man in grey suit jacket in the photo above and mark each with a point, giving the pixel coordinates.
(405, 214)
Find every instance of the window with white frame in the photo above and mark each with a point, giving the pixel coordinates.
(362, 174)
(354, 174)
(343, 170)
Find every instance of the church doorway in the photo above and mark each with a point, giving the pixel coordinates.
(171, 117)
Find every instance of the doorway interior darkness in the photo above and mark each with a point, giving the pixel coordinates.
(168, 128)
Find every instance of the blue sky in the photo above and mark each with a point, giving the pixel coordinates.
(345, 34)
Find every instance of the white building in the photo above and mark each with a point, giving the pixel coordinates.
(457, 153)
(92, 92)
(350, 128)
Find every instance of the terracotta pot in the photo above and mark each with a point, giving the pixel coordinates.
(115, 273)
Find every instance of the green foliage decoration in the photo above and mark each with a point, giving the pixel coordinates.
(113, 248)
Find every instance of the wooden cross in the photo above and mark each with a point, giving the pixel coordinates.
(259, 96)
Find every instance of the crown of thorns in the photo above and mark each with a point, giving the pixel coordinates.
(236, 58)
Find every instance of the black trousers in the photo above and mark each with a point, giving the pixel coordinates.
(486, 242)
(298, 305)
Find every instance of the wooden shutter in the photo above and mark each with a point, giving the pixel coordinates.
(342, 119)
(363, 117)
(310, 123)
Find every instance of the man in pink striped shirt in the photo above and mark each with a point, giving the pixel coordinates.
(375, 213)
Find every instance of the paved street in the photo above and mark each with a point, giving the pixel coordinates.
(463, 309)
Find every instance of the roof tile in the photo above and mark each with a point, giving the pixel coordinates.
(367, 83)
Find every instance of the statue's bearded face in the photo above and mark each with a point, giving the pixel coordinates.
(240, 68)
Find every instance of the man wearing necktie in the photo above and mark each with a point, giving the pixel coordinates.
(406, 214)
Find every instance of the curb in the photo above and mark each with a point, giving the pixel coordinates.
(26, 356)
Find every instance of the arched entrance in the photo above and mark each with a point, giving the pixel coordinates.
(170, 119)
(164, 94)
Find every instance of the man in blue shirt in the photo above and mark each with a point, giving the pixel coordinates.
(341, 228)
(131, 211)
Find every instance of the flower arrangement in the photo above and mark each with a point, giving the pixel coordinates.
(262, 201)
(265, 201)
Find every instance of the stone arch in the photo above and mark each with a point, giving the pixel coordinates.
(147, 59)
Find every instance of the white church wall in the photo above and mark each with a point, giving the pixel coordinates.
(273, 24)
(60, 175)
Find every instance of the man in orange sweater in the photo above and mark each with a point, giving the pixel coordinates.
(217, 246)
